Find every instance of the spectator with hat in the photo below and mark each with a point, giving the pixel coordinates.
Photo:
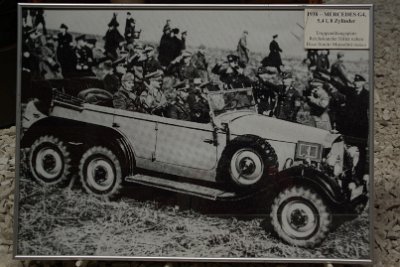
(112, 39)
(125, 98)
(129, 28)
(242, 49)
(201, 64)
(274, 57)
(65, 52)
(339, 73)
(183, 40)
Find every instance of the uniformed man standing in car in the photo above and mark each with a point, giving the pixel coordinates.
(125, 97)
(179, 108)
(288, 103)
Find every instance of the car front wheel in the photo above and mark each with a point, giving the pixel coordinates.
(100, 171)
(300, 217)
(50, 160)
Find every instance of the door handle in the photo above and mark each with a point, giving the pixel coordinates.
(209, 141)
(115, 125)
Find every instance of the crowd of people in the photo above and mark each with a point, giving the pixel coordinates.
(172, 79)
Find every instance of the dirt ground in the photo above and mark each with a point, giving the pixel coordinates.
(55, 221)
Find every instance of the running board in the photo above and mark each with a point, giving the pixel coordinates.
(182, 187)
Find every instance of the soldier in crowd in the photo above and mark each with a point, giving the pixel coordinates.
(274, 57)
(84, 57)
(129, 28)
(242, 49)
(170, 47)
(110, 80)
(198, 104)
(125, 98)
(231, 73)
(48, 66)
(183, 68)
(337, 107)
(357, 103)
(322, 64)
(201, 64)
(150, 64)
(179, 108)
(183, 40)
(265, 91)
(112, 39)
(65, 51)
(167, 27)
(318, 100)
(153, 99)
(311, 58)
(339, 77)
(288, 102)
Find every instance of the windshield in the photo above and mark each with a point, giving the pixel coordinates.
(228, 100)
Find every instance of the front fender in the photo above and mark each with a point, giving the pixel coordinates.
(302, 175)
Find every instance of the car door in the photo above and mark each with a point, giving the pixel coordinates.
(186, 144)
(140, 129)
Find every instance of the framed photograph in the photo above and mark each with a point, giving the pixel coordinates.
(195, 133)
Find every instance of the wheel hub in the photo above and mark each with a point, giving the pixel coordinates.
(100, 175)
(298, 218)
(49, 162)
(247, 166)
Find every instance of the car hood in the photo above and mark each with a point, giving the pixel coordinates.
(248, 122)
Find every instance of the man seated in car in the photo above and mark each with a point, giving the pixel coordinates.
(153, 99)
(125, 98)
(198, 104)
(179, 108)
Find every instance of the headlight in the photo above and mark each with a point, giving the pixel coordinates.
(309, 151)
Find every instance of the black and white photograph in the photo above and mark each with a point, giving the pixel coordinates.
(195, 133)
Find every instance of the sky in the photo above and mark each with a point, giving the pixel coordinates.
(218, 29)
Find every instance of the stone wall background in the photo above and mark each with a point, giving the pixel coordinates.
(386, 162)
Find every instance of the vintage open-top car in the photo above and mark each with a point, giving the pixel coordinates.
(308, 171)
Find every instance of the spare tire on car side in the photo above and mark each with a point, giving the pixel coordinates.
(247, 162)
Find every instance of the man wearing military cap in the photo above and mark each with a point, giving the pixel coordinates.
(318, 100)
(65, 52)
(84, 56)
(125, 98)
(150, 64)
(339, 76)
(231, 73)
(200, 62)
(153, 99)
(288, 99)
(129, 28)
(357, 106)
(179, 108)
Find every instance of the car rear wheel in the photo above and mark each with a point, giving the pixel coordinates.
(300, 217)
(50, 160)
(100, 171)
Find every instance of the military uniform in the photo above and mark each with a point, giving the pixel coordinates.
(153, 100)
(123, 99)
(338, 75)
(84, 59)
(179, 111)
(65, 54)
(319, 103)
(288, 103)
